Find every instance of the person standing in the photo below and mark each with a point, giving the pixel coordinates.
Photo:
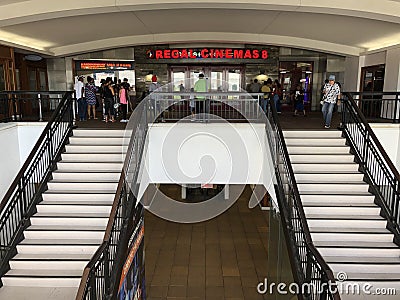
(331, 95)
(123, 99)
(155, 102)
(200, 86)
(266, 90)
(299, 101)
(109, 100)
(90, 93)
(80, 98)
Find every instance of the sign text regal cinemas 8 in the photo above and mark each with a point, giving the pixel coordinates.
(207, 53)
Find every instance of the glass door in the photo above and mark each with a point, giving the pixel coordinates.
(216, 80)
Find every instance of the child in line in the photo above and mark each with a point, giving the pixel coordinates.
(299, 101)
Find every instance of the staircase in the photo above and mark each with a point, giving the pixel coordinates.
(345, 223)
(70, 221)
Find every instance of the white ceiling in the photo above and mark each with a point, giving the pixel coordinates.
(68, 27)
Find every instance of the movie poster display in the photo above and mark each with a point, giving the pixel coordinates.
(132, 284)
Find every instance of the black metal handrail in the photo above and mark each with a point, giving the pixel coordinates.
(378, 106)
(374, 161)
(309, 268)
(28, 105)
(24, 193)
(100, 279)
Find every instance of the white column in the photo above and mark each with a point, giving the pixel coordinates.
(183, 191)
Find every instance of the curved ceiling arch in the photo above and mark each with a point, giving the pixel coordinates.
(356, 27)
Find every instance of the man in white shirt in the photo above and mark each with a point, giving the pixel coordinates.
(80, 98)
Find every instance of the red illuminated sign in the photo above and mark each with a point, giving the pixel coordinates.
(207, 53)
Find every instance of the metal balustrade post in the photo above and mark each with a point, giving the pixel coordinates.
(395, 118)
(365, 149)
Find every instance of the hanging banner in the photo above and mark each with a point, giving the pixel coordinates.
(81, 65)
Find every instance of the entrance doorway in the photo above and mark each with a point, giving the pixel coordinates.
(220, 78)
(372, 79)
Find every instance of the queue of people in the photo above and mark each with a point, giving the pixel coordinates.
(114, 98)
(271, 90)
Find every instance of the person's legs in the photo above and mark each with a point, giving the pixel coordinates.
(277, 103)
(327, 111)
(81, 109)
(88, 111)
(264, 104)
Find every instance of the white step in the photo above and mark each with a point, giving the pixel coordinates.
(337, 200)
(41, 281)
(362, 259)
(318, 150)
(352, 237)
(43, 208)
(85, 177)
(325, 168)
(86, 166)
(93, 202)
(54, 256)
(366, 268)
(374, 211)
(55, 249)
(99, 141)
(315, 142)
(67, 227)
(95, 149)
(320, 178)
(58, 241)
(78, 197)
(359, 252)
(93, 157)
(355, 244)
(322, 158)
(363, 224)
(325, 188)
(312, 134)
(47, 265)
(69, 220)
(82, 186)
(99, 132)
(63, 234)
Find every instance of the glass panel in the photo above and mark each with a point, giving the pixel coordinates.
(2, 79)
(178, 78)
(32, 80)
(216, 81)
(42, 78)
(18, 79)
(233, 80)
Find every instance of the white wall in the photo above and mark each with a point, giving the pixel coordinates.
(17, 141)
(351, 74)
(9, 156)
(389, 136)
(392, 70)
(196, 153)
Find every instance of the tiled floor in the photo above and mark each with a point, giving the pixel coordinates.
(223, 258)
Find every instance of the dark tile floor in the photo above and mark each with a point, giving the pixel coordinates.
(223, 258)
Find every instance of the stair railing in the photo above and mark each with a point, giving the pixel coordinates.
(19, 203)
(101, 276)
(382, 175)
(310, 270)
(378, 106)
(28, 105)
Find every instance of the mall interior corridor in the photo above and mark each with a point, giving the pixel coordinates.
(222, 258)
